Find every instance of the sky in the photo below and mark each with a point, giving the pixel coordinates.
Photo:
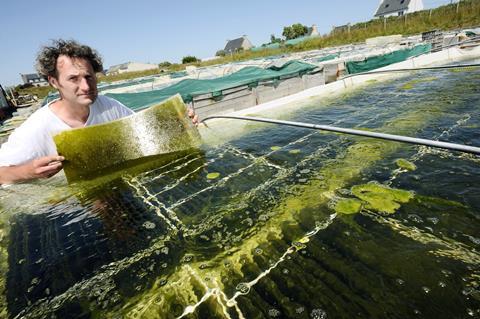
(153, 31)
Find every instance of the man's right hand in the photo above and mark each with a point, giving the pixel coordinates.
(42, 167)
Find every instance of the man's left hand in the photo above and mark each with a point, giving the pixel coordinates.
(193, 116)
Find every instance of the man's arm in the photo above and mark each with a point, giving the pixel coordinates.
(42, 167)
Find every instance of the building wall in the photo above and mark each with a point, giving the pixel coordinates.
(246, 45)
(132, 67)
(415, 5)
(242, 97)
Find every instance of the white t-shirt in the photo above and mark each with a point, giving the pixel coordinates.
(33, 138)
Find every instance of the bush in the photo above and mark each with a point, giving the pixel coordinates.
(220, 53)
(189, 59)
(294, 31)
(165, 64)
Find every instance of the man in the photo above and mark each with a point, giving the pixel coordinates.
(71, 68)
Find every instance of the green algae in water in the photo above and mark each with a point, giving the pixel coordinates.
(161, 129)
(275, 148)
(381, 198)
(181, 285)
(465, 69)
(409, 85)
(348, 206)
(403, 163)
(294, 151)
(213, 175)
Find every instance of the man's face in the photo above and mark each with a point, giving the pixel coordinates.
(76, 81)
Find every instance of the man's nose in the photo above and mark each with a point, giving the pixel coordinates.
(85, 85)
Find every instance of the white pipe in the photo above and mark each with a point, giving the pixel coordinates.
(389, 137)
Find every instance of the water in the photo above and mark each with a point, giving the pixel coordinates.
(248, 228)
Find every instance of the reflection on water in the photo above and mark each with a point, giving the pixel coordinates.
(248, 228)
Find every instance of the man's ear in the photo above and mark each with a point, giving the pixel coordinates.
(53, 81)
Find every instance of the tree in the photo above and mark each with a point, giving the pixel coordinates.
(220, 53)
(288, 33)
(190, 59)
(274, 39)
(294, 31)
(164, 64)
(299, 30)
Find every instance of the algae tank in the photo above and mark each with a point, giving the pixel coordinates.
(268, 222)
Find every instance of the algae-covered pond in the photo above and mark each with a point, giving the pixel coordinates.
(274, 222)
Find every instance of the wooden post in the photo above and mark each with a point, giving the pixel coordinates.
(384, 24)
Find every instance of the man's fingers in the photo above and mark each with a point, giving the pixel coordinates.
(49, 169)
(47, 160)
(195, 120)
(193, 116)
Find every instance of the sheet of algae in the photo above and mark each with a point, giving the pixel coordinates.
(336, 174)
(161, 129)
(403, 163)
(348, 206)
(381, 198)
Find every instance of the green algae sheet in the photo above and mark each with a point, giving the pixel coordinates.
(161, 129)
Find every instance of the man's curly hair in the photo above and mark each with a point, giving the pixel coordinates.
(48, 55)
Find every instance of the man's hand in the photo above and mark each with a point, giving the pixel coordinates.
(45, 167)
(42, 167)
(192, 116)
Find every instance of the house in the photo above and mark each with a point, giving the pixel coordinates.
(34, 79)
(130, 67)
(313, 31)
(238, 44)
(341, 28)
(389, 8)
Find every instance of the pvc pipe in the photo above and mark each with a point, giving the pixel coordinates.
(383, 136)
(443, 67)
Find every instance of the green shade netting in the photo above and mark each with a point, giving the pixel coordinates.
(379, 61)
(299, 40)
(327, 57)
(110, 86)
(99, 149)
(178, 74)
(268, 46)
(191, 87)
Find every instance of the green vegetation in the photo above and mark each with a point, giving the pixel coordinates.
(348, 206)
(190, 59)
(381, 198)
(294, 31)
(40, 91)
(274, 39)
(403, 163)
(409, 85)
(213, 175)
